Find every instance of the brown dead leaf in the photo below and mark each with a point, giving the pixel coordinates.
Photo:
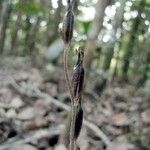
(41, 106)
(16, 102)
(21, 147)
(60, 147)
(120, 119)
(27, 113)
(121, 144)
(35, 123)
(11, 113)
(113, 130)
(146, 116)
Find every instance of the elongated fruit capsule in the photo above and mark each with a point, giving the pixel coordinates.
(78, 120)
(78, 77)
(68, 23)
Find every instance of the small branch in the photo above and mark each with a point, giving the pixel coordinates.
(59, 104)
(97, 131)
(43, 133)
(5, 106)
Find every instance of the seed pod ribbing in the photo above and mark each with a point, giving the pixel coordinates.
(78, 77)
(68, 24)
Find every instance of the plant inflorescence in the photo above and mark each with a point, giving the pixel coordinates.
(76, 85)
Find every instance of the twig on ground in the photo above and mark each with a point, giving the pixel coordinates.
(98, 132)
(5, 106)
(44, 133)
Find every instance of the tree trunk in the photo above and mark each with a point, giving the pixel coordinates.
(76, 4)
(6, 10)
(145, 71)
(117, 25)
(33, 35)
(120, 42)
(28, 28)
(48, 17)
(132, 40)
(146, 63)
(15, 33)
(1, 4)
(1, 1)
(94, 32)
(52, 29)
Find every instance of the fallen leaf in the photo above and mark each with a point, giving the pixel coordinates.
(27, 113)
(17, 102)
(21, 147)
(146, 116)
(113, 130)
(120, 119)
(11, 113)
(60, 147)
(121, 144)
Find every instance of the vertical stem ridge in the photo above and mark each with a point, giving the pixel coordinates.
(66, 70)
(72, 131)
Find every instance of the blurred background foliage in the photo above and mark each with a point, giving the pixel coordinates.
(121, 45)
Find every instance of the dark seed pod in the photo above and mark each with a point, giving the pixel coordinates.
(64, 139)
(78, 120)
(78, 77)
(68, 3)
(77, 148)
(68, 23)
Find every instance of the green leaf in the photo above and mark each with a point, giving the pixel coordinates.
(29, 7)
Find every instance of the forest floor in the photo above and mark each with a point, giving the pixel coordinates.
(33, 110)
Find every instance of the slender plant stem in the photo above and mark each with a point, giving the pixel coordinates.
(72, 126)
(73, 2)
(73, 110)
(67, 46)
